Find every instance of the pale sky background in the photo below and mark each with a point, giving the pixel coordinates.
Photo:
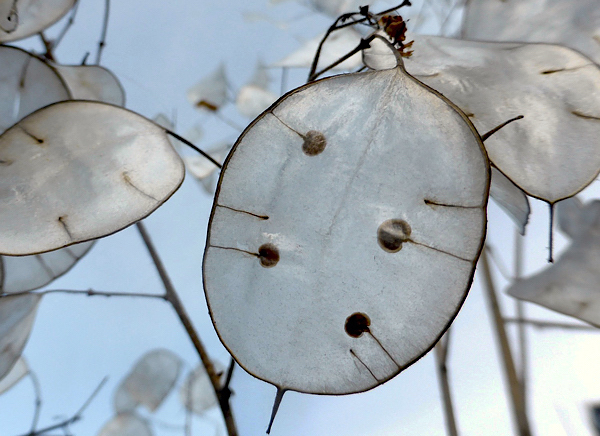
(159, 50)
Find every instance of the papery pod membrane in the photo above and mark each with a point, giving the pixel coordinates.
(197, 393)
(210, 93)
(26, 85)
(149, 381)
(14, 376)
(345, 231)
(511, 199)
(572, 284)
(26, 273)
(80, 170)
(17, 314)
(33, 16)
(554, 151)
(575, 218)
(251, 100)
(126, 424)
(575, 24)
(92, 82)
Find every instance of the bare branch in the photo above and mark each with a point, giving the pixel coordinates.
(510, 371)
(173, 298)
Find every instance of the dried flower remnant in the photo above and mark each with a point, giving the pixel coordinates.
(395, 27)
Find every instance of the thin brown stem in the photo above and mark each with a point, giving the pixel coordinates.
(337, 26)
(47, 46)
(173, 298)
(189, 144)
(89, 293)
(441, 357)
(363, 44)
(38, 400)
(510, 372)
(102, 42)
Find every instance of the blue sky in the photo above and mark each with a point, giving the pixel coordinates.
(159, 50)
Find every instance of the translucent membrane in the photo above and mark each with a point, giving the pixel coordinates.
(344, 233)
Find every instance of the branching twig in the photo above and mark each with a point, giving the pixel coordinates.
(518, 404)
(88, 292)
(173, 298)
(47, 46)
(340, 23)
(102, 41)
(73, 419)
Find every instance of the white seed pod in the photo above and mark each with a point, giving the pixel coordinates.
(92, 82)
(22, 18)
(14, 376)
(26, 85)
(554, 151)
(26, 273)
(210, 93)
(575, 24)
(345, 230)
(149, 381)
(197, 394)
(17, 314)
(79, 170)
(511, 199)
(572, 284)
(126, 424)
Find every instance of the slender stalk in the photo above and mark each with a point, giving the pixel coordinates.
(189, 144)
(173, 298)
(38, 400)
(520, 311)
(363, 44)
(102, 41)
(510, 372)
(441, 357)
(337, 26)
(47, 46)
(89, 293)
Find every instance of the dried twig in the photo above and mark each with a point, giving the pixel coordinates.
(518, 404)
(173, 298)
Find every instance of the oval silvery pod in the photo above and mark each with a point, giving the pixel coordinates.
(344, 233)
(22, 18)
(26, 85)
(79, 170)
